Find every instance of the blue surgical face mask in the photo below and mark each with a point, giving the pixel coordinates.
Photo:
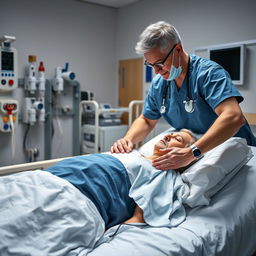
(174, 72)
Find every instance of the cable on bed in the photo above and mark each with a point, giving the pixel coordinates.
(127, 224)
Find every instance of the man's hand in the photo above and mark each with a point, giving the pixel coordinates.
(122, 146)
(174, 158)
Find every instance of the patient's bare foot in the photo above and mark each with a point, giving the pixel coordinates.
(137, 216)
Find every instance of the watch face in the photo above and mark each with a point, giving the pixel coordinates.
(196, 152)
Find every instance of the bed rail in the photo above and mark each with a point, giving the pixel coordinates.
(134, 105)
(29, 166)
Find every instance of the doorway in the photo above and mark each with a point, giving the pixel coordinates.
(130, 83)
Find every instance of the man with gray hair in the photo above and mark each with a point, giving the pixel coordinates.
(189, 92)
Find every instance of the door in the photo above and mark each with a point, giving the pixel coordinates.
(130, 83)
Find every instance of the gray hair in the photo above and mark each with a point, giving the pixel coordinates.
(158, 35)
(193, 135)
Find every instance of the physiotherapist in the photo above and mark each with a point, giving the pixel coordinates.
(189, 92)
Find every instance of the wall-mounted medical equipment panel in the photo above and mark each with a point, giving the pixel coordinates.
(34, 80)
(33, 110)
(8, 64)
(60, 75)
(8, 114)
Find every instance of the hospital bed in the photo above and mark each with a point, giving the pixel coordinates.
(227, 226)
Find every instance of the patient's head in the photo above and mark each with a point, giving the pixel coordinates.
(180, 139)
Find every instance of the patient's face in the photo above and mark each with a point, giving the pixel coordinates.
(175, 139)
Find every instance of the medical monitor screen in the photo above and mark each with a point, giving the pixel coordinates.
(231, 59)
(7, 61)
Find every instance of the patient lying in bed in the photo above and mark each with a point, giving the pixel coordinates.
(111, 180)
(45, 214)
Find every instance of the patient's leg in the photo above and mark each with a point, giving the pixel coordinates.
(137, 216)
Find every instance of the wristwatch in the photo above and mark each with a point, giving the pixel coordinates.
(196, 151)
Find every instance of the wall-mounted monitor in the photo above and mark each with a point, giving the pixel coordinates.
(232, 59)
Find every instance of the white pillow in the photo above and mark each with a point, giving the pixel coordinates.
(215, 169)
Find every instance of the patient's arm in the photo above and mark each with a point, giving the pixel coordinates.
(137, 216)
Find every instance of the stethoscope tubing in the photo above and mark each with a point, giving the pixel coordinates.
(189, 102)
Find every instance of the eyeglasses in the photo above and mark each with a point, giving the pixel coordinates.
(159, 64)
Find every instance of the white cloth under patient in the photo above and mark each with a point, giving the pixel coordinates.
(159, 194)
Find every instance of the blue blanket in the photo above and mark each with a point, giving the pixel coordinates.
(104, 180)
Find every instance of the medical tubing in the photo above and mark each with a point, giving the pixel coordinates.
(187, 78)
(116, 230)
(58, 105)
(121, 224)
(59, 125)
(13, 136)
(58, 121)
(25, 139)
(166, 90)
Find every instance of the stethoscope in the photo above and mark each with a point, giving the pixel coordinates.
(189, 103)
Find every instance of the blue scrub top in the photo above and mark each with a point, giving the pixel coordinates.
(209, 85)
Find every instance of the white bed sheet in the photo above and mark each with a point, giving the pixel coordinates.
(44, 215)
(225, 227)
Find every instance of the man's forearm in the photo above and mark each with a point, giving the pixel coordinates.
(140, 128)
(224, 127)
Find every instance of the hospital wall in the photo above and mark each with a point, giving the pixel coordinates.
(200, 23)
(94, 38)
(59, 31)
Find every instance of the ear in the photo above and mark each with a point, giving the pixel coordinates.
(179, 48)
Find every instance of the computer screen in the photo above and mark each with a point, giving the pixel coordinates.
(232, 60)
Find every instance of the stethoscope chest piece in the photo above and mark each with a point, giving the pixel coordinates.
(190, 105)
(162, 109)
